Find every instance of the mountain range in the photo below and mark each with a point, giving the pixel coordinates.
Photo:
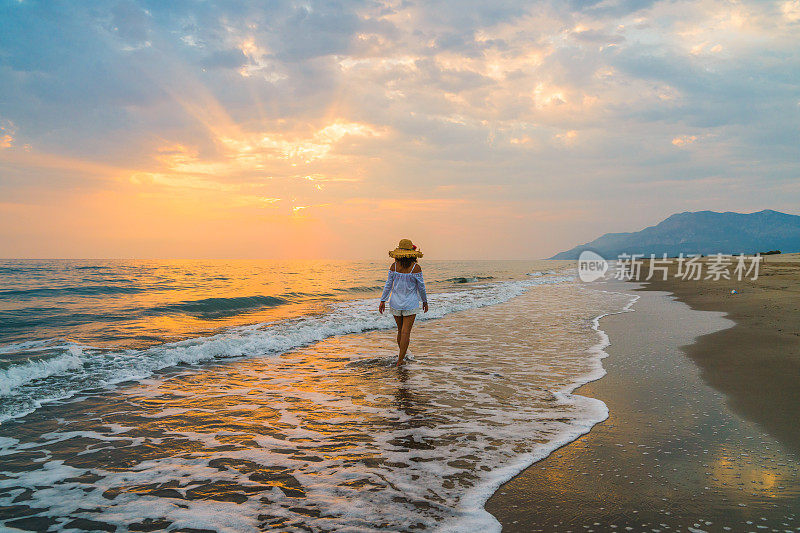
(702, 232)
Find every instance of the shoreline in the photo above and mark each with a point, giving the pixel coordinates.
(474, 504)
(615, 476)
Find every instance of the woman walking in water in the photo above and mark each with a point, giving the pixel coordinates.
(407, 288)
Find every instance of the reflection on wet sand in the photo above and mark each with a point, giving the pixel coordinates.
(670, 456)
(404, 397)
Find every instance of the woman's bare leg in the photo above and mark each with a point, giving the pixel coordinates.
(405, 337)
(399, 321)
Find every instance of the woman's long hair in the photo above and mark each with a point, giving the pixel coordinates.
(406, 262)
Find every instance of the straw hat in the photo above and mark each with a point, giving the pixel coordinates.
(406, 248)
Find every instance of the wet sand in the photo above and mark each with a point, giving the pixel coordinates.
(757, 362)
(672, 456)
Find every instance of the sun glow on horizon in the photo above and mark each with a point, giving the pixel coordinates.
(320, 130)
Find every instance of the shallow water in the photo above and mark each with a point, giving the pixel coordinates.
(142, 303)
(66, 326)
(328, 436)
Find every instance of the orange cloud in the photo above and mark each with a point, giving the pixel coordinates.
(567, 137)
(7, 132)
(248, 161)
(791, 10)
(684, 140)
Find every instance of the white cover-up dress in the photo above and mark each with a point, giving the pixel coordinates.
(407, 290)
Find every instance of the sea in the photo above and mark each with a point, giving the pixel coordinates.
(263, 395)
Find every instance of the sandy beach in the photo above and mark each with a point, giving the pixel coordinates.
(756, 364)
(679, 451)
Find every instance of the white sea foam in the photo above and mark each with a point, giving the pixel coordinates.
(475, 517)
(372, 448)
(17, 375)
(28, 385)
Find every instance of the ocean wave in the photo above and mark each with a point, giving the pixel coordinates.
(297, 295)
(106, 368)
(16, 375)
(35, 346)
(22, 319)
(26, 268)
(220, 307)
(537, 274)
(89, 290)
(27, 318)
(361, 288)
(468, 279)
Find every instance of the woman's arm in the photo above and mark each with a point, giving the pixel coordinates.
(388, 287)
(423, 295)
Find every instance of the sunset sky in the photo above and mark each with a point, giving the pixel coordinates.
(331, 130)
